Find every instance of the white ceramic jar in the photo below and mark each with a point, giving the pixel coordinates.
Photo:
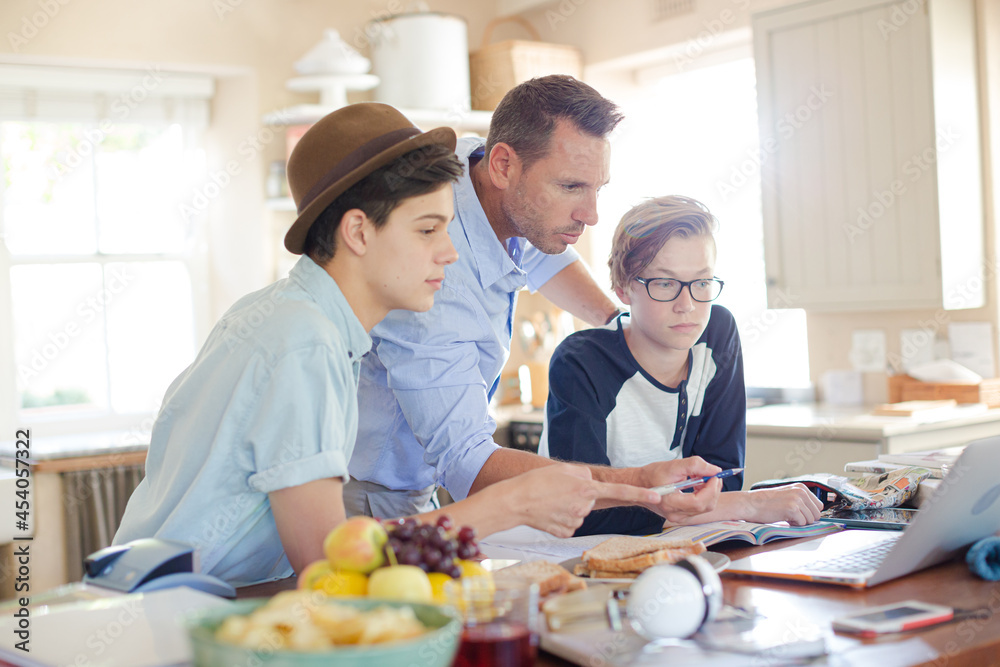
(422, 60)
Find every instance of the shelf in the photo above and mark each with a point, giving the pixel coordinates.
(468, 121)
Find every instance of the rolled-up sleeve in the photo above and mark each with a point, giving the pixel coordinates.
(541, 267)
(436, 375)
(307, 430)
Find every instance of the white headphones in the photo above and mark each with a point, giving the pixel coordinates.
(674, 600)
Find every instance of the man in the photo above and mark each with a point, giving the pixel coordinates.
(665, 380)
(425, 388)
(250, 451)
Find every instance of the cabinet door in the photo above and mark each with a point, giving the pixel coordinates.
(850, 149)
(777, 458)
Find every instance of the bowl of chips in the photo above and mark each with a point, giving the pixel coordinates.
(307, 629)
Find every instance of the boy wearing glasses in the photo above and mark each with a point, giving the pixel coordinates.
(665, 380)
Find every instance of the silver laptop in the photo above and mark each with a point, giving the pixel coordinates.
(965, 508)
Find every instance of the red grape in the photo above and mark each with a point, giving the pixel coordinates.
(433, 548)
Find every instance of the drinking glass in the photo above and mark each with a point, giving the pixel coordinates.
(500, 622)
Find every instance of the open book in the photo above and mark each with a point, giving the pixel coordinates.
(754, 533)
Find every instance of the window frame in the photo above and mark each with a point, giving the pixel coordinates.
(188, 95)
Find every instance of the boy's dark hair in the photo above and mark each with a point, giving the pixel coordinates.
(527, 115)
(412, 174)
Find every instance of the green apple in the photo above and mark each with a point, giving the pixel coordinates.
(400, 582)
(356, 545)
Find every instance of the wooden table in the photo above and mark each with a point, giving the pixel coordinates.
(973, 642)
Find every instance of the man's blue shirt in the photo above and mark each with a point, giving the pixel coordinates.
(427, 383)
(269, 403)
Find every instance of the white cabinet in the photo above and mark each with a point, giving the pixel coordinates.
(870, 154)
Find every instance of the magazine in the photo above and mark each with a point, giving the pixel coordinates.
(754, 533)
(882, 467)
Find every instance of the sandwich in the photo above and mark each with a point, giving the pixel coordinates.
(552, 579)
(625, 557)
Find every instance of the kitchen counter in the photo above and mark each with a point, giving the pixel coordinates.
(87, 451)
(854, 423)
(790, 440)
(47, 448)
(53, 505)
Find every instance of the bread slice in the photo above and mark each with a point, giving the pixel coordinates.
(603, 574)
(625, 553)
(550, 577)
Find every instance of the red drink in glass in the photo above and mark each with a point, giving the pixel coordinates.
(496, 645)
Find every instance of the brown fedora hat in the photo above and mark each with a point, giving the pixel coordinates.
(342, 148)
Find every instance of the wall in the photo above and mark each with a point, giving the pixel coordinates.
(251, 47)
(624, 47)
(255, 44)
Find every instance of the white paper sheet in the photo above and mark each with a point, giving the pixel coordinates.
(916, 346)
(972, 346)
(530, 544)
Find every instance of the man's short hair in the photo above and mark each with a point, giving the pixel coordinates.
(642, 232)
(378, 194)
(527, 115)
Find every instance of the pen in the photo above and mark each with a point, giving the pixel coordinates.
(694, 481)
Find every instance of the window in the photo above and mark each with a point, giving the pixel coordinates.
(99, 263)
(696, 134)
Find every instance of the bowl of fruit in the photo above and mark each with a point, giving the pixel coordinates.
(376, 599)
(402, 560)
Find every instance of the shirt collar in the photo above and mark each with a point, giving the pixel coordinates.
(325, 291)
(492, 262)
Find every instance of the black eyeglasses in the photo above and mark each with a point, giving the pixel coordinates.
(668, 289)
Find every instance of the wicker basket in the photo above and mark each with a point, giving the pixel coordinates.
(496, 68)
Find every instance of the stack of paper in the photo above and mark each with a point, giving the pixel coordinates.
(937, 461)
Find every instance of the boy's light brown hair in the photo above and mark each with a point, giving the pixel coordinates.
(642, 232)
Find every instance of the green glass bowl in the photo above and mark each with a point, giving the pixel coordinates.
(435, 648)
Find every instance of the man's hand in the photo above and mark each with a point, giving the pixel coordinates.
(558, 497)
(793, 503)
(678, 507)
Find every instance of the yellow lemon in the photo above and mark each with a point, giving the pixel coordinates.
(471, 568)
(313, 572)
(472, 595)
(438, 580)
(342, 583)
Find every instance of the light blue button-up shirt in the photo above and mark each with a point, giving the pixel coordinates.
(269, 403)
(427, 383)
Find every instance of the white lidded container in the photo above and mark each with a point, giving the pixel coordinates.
(422, 60)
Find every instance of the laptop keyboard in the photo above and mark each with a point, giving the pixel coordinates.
(853, 562)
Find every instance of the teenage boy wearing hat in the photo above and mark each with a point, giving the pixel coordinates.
(250, 450)
(665, 380)
(529, 193)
